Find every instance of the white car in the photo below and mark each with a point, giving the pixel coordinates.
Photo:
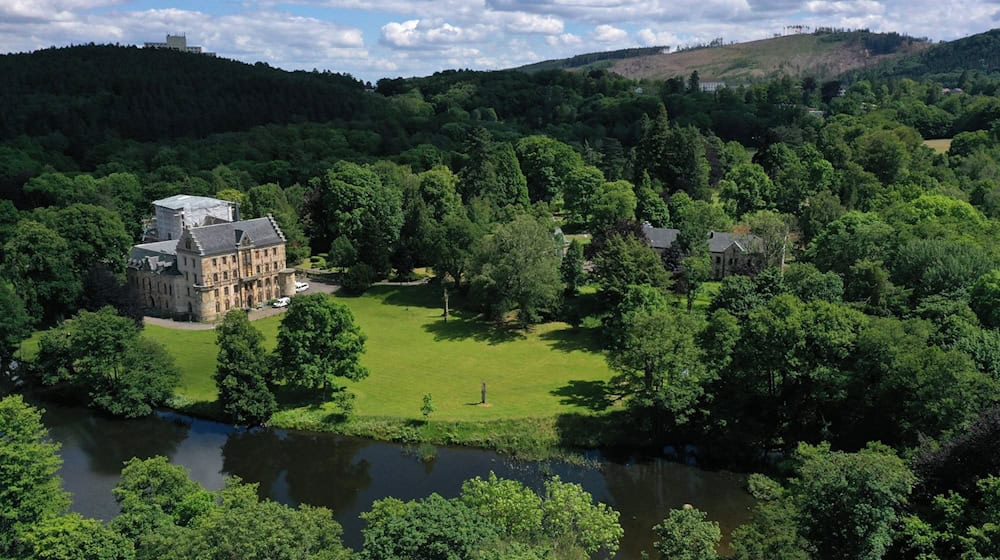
(281, 302)
(301, 286)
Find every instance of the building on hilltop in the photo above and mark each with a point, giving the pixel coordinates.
(211, 268)
(730, 253)
(177, 43)
(171, 215)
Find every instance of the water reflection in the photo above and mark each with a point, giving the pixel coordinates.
(347, 474)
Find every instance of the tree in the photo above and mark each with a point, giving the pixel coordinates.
(15, 323)
(746, 188)
(659, 366)
(773, 532)
(452, 245)
(775, 232)
(849, 502)
(241, 371)
(686, 534)
(650, 206)
(806, 282)
(511, 188)
(271, 199)
(582, 187)
(696, 269)
(852, 237)
(985, 299)
(352, 201)
(318, 341)
(93, 234)
(636, 302)
(154, 495)
(548, 165)
(72, 537)
(438, 188)
(614, 203)
(103, 354)
(37, 263)
(573, 521)
(431, 529)
(427, 406)
(517, 268)
(29, 488)
(627, 261)
(571, 269)
(695, 219)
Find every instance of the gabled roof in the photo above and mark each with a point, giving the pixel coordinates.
(659, 238)
(719, 241)
(224, 238)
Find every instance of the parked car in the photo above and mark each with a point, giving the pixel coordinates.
(301, 286)
(281, 302)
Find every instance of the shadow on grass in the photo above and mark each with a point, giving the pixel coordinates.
(421, 295)
(463, 328)
(574, 339)
(592, 395)
(297, 397)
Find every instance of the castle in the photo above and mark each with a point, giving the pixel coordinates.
(204, 260)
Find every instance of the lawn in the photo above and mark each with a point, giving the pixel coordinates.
(411, 351)
(940, 145)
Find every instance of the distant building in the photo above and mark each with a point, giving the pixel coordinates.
(212, 266)
(730, 253)
(172, 215)
(712, 87)
(177, 43)
(818, 113)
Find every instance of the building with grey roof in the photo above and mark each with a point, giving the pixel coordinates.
(210, 269)
(730, 253)
(171, 215)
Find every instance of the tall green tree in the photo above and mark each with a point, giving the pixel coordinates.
(103, 355)
(36, 261)
(849, 502)
(659, 366)
(517, 268)
(353, 202)
(548, 166)
(571, 268)
(627, 261)
(318, 342)
(241, 371)
(615, 202)
(30, 491)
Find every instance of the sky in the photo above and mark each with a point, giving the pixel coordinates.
(371, 39)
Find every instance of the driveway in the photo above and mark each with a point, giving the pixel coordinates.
(314, 287)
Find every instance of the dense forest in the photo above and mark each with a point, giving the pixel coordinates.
(858, 360)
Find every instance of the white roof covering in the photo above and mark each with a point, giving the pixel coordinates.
(190, 202)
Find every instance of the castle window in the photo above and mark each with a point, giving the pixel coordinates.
(217, 309)
(215, 277)
(258, 269)
(216, 292)
(171, 286)
(227, 305)
(225, 291)
(232, 259)
(274, 251)
(215, 262)
(225, 275)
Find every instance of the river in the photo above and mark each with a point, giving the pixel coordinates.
(348, 474)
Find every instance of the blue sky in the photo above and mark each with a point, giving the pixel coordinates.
(378, 38)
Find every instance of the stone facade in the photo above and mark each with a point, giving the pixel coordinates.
(212, 269)
(730, 253)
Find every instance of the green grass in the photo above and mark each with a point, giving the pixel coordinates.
(412, 351)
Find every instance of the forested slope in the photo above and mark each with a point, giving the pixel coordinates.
(89, 93)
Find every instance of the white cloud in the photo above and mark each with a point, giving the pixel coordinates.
(423, 34)
(564, 40)
(651, 38)
(609, 34)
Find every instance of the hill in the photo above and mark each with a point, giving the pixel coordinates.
(820, 54)
(101, 91)
(945, 62)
